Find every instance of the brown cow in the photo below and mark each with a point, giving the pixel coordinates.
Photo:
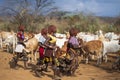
(31, 46)
(94, 47)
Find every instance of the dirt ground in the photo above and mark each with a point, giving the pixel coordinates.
(84, 72)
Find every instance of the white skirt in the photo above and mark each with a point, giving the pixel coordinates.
(19, 48)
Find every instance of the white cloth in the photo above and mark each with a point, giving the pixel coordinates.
(19, 48)
(42, 39)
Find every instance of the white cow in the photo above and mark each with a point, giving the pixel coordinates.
(8, 39)
(61, 39)
(111, 36)
(60, 42)
(110, 46)
(87, 37)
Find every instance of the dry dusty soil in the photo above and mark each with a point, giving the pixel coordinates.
(84, 72)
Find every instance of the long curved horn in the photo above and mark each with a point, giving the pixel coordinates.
(83, 50)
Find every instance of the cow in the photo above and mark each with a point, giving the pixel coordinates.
(25, 51)
(94, 47)
(87, 37)
(110, 47)
(111, 36)
(31, 47)
(8, 39)
(33, 43)
(119, 41)
(0, 40)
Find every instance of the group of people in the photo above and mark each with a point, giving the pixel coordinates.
(47, 44)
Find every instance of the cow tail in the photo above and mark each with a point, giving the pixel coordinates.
(102, 56)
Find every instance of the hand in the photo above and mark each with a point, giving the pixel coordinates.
(79, 46)
(50, 47)
(55, 47)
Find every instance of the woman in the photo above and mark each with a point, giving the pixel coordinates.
(20, 35)
(72, 48)
(50, 57)
(73, 41)
(42, 40)
(50, 44)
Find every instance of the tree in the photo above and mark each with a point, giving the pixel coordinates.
(27, 12)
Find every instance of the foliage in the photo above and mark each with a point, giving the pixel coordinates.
(36, 14)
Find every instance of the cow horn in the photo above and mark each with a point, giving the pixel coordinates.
(83, 50)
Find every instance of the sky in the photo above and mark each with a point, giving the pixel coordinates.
(98, 7)
(109, 8)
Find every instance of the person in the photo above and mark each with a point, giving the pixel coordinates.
(42, 40)
(50, 52)
(20, 35)
(50, 44)
(73, 41)
(73, 47)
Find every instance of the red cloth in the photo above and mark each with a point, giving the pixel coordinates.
(19, 35)
(41, 52)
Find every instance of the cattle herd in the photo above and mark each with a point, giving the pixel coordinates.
(94, 46)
